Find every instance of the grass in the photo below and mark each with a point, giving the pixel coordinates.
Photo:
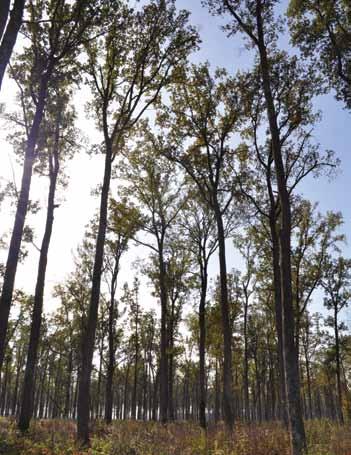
(57, 437)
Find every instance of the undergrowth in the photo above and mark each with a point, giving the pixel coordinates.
(57, 437)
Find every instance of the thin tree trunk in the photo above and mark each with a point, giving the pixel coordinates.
(155, 396)
(75, 399)
(32, 355)
(246, 363)
(125, 400)
(217, 395)
(98, 392)
(278, 312)
(309, 388)
(21, 211)
(171, 376)
(338, 367)
(202, 347)
(68, 385)
(164, 356)
(9, 37)
(5, 384)
(20, 357)
(56, 411)
(227, 336)
(88, 337)
(111, 346)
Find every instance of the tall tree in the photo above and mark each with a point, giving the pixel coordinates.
(293, 86)
(204, 111)
(255, 21)
(53, 45)
(56, 143)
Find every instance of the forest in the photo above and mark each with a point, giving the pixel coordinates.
(174, 269)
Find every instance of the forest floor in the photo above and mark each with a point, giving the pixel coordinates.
(56, 437)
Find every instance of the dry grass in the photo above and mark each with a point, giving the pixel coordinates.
(56, 437)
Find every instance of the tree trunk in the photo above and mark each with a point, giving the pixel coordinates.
(9, 37)
(68, 385)
(338, 367)
(32, 355)
(227, 335)
(4, 14)
(164, 356)
(88, 336)
(136, 366)
(21, 211)
(5, 384)
(20, 356)
(278, 311)
(56, 410)
(297, 430)
(111, 346)
(170, 355)
(125, 400)
(309, 388)
(246, 363)
(202, 347)
(217, 396)
(98, 391)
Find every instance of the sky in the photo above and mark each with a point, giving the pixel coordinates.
(77, 205)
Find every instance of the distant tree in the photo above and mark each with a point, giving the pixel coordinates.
(122, 226)
(314, 237)
(200, 233)
(152, 181)
(247, 282)
(131, 300)
(337, 286)
(179, 281)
